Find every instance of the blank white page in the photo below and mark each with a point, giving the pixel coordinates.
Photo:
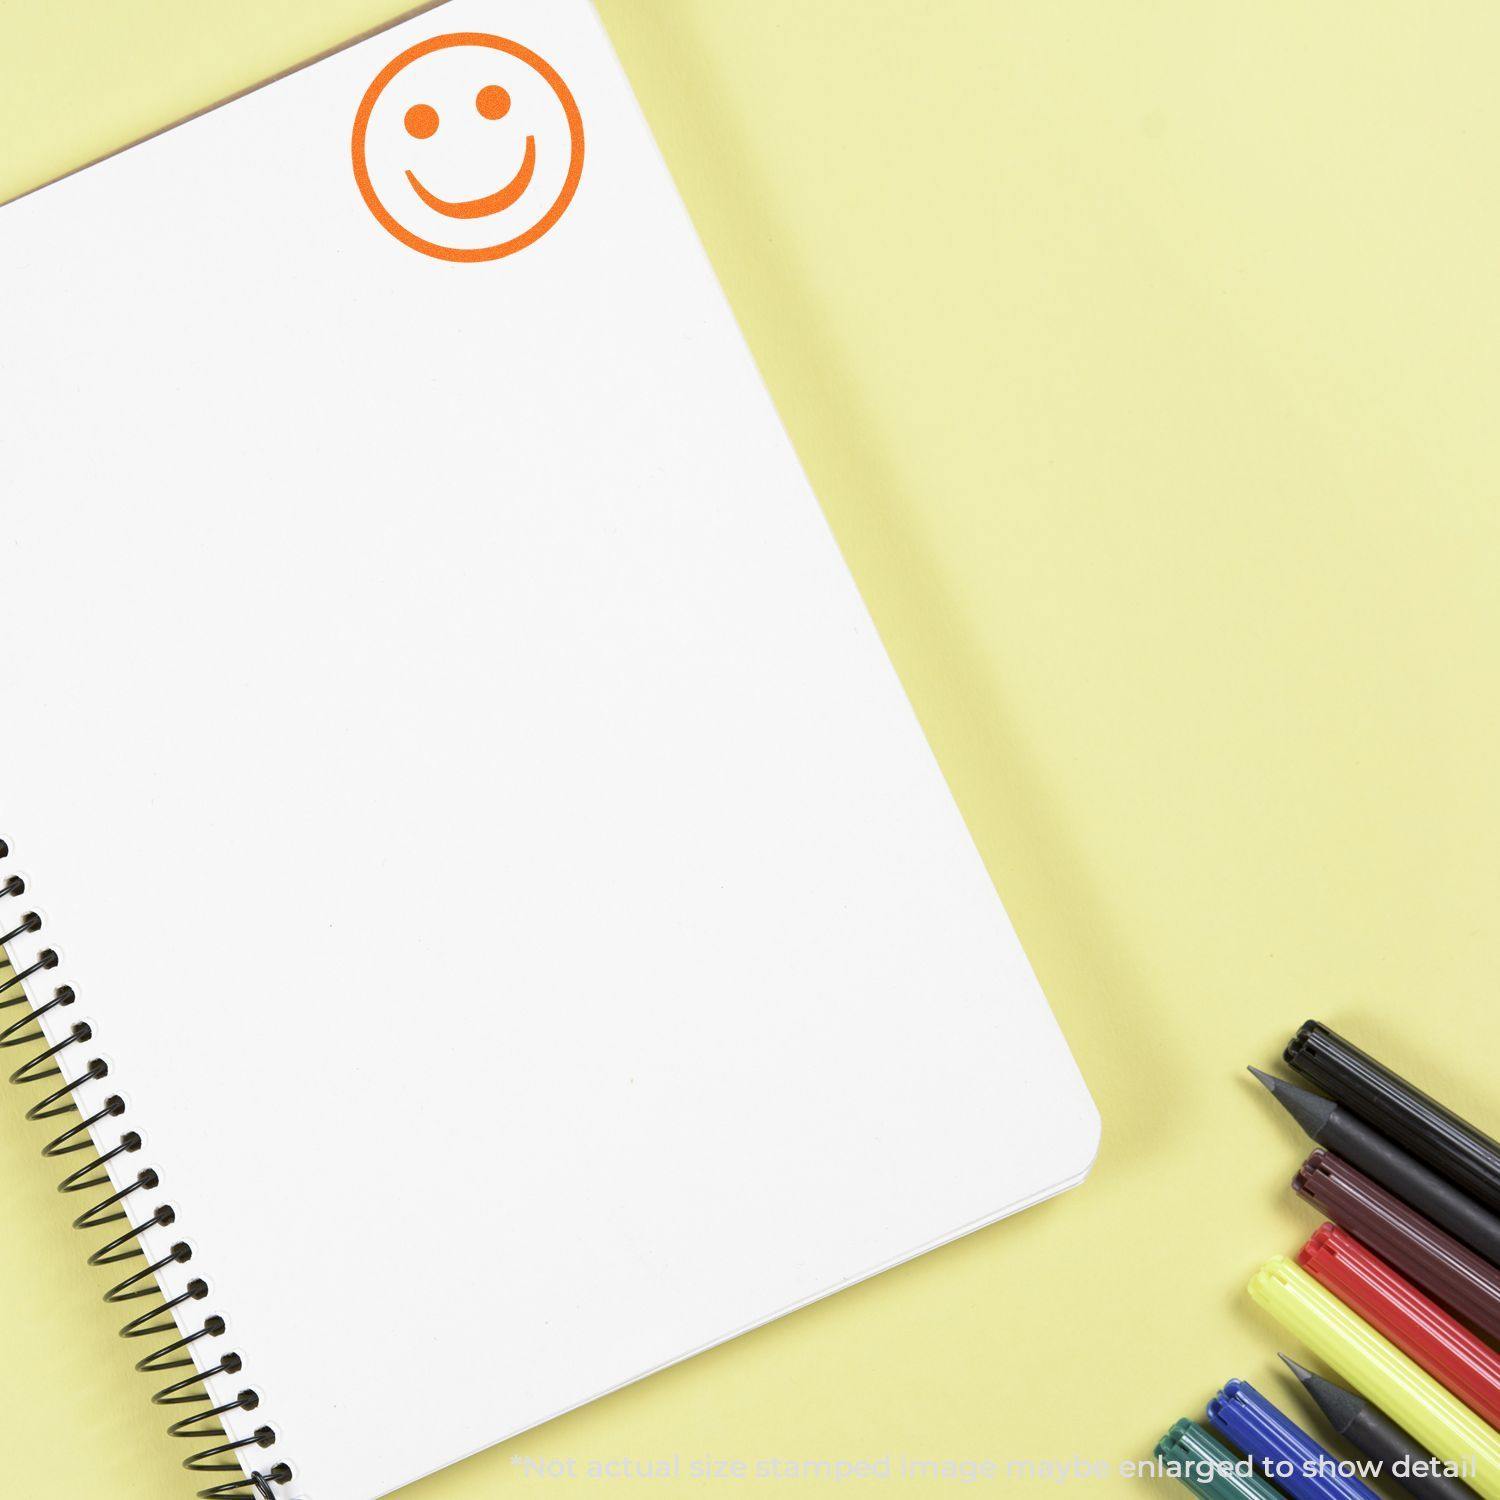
(474, 808)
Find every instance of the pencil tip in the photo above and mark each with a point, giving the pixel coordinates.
(1311, 1111)
(1341, 1407)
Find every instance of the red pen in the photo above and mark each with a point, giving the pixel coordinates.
(1412, 1322)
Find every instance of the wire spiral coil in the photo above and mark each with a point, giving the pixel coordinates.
(52, 1069)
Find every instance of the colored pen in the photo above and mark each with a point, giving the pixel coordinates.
(1450, 1273)
(1404, 1391)
(1282, 1451)
(1396, 1170)
(1368, 1429)
(1207, 1467)
(1415, 1324)
(1464, 1154)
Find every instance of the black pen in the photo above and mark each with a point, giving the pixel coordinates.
(1451, 1146)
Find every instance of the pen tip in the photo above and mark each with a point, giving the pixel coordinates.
(1342, 1408)
(1311, 1111)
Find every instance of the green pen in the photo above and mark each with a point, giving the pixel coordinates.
(1207, 1467)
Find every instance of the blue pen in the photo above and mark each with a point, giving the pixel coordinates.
(1285, 1454)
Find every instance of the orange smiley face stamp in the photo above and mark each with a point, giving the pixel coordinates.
(468, 147)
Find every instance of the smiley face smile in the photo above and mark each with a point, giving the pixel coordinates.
(492, 203)
(492, 103)
(464, 110)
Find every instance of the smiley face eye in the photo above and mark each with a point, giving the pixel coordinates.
(492, 102)
(421, 121)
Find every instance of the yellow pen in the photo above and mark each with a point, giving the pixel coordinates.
(1404, 1391)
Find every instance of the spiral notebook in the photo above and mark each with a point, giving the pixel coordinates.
(478, 873)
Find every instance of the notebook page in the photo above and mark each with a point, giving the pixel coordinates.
(462, 634)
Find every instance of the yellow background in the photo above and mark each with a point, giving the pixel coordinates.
(1145, 358)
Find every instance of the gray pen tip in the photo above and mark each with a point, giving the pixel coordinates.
(1311, 1111)
(1342, 1408)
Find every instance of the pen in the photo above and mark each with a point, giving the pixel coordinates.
(1282, 1451)
(1464, 1154)
(1404, 1391)
(1202, 1463)
(1413, 1323)
(1450, 1273)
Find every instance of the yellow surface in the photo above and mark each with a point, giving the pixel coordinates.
(1145, 357)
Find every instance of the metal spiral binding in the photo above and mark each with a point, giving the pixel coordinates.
(222, 1456)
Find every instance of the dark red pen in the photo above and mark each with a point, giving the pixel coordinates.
(1452, 1274)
